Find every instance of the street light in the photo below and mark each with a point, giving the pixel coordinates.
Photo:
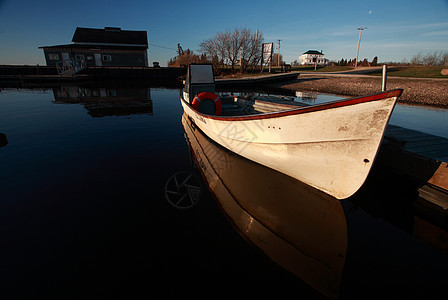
(359, 42)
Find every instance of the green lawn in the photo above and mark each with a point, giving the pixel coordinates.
(417, 71)
(401, 71)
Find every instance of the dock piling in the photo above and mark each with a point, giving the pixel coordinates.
(384, 82)
(3, 140)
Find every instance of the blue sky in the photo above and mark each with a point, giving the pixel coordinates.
(396, 30)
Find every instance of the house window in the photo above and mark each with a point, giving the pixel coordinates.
(107, 58)
(79, 57)
(53, 56)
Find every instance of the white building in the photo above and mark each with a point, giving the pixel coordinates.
(312, 57)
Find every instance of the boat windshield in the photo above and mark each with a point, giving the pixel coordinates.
(201, 74)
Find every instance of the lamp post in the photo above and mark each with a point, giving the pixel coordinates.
(359, 42)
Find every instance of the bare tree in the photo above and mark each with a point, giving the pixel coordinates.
(229, 47)
(444, 59)
(417, 59)
(233, 47)
(250, 48)
(431, 59)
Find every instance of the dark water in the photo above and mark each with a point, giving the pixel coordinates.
(83, 212)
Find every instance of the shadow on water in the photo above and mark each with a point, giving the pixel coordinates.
(398, 241)
(367, 245)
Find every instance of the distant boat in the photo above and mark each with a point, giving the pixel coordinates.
(330, 146)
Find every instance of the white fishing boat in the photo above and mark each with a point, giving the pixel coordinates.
(329, 146)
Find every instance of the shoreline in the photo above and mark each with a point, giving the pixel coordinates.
(417, 91)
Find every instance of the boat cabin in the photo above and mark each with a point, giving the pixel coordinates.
(200, 88)
(199, 79)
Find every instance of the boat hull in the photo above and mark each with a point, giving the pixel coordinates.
(331, 147)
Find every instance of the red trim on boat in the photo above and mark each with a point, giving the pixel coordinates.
(301, 110)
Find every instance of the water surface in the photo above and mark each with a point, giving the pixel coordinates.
(83, 209)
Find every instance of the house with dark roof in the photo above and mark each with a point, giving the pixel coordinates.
(108, 47)
(312, 57)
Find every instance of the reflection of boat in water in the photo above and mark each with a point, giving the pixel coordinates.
(298, 227)
(330, 146)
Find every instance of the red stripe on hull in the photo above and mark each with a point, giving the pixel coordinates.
(301, 110)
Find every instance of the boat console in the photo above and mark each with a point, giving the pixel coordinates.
(199, 79)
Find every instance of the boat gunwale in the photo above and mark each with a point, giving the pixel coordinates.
(306, 109)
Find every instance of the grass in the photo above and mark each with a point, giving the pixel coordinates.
(399, 71)
(415, 71)
(335, 69)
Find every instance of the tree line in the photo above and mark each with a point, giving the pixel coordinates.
(351, 62)
(431, 59)
(241, 47)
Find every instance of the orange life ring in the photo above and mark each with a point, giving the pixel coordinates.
(208, 96)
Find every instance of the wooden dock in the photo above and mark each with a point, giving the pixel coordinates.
(256, 80)
(421, 157)
(41, 75)
(45, 78)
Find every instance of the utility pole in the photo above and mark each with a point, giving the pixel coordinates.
(179, 50)
(359, 42)
(278, 62)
